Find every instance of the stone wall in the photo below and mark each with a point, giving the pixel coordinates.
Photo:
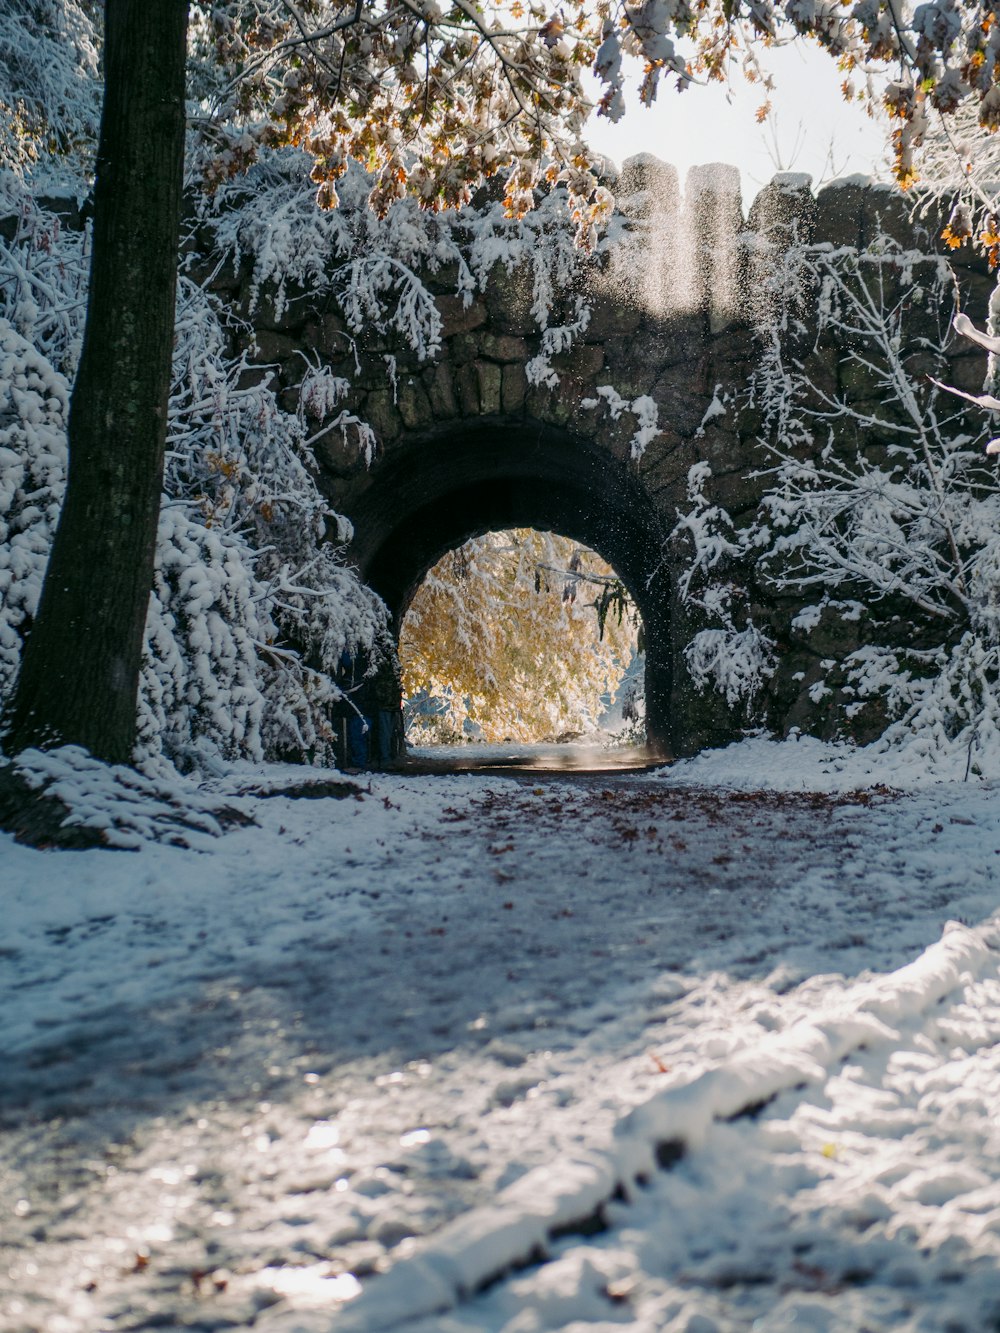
(466, 443)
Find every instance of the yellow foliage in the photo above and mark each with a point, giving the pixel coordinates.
(505, 631)
(990, 240)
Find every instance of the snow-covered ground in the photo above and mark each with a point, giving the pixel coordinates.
(479, 1053)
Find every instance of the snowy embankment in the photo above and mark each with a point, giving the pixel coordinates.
(571, 1196)
(345, 1066)
(803, 763)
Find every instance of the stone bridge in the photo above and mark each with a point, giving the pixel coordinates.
(467, 443)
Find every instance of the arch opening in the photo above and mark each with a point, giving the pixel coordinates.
(525, 637)
(430, 494)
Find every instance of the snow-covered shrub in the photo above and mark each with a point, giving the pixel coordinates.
(252, 605)
(201, 677)
(908, 520)
(246, 463)
(709, 534)
(43, 277)
(50, 98)
(730, 654)
(879, 497)
(736, 662)
(33, 404)
(115, 805)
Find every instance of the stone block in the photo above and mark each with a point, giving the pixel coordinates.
(968, 259)
(440, 390)
(467, 384)
(490, 385)
(562, 405)
(887, 211)
(839, 210)
(253, 376)
(737, 493)
(371, 349)
(295, 309)
(514, 388)
(861, 386)
(338, 455)
(785, 210)
(681, 401)
(722, 449)
(613, 313)
(713, 211)
(647, 187)
(664, 471)
(272, 346)
(675, 342)
(457, 318)
(544, 404)
(443, 281)
(372, 375)
(290, 370)
(509, 300)
(332, 337)
(503, 347)
(583, 360)
(586, 421)
(380, 412)
(413, 404)
(822, 368)
(976, 290)
(967, 373)
(227, 277)
(461, 349)
(630, 377)
(747, 422)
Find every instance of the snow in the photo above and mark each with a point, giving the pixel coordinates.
(792, 181)
(716, 408)
(678, 1050)
(804, 763)
(855, 180)
(643, 408)
(124, 806)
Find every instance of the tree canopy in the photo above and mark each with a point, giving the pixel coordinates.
(519, 633)
(433, 97)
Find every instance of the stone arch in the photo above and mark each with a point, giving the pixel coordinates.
(433, 492)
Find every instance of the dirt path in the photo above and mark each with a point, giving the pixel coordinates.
(231, 1079)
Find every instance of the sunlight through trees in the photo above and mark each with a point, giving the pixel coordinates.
(518, 635)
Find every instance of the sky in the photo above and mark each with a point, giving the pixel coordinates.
(810, 127)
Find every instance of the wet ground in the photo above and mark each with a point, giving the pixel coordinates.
(567, 758)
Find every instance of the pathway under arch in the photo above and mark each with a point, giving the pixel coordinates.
(431, 494)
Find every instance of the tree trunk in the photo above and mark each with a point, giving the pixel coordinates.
(80, 671)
